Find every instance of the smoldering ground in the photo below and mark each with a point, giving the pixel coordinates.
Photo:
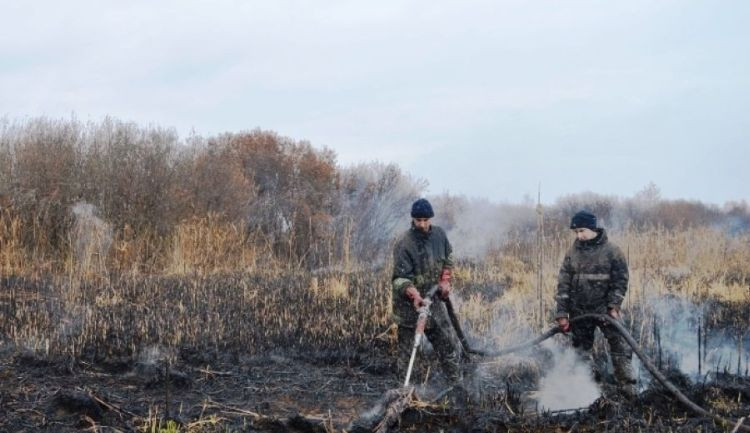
(568, 384)
(274, 351)
(125, 378)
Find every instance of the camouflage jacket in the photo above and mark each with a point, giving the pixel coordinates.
(418, 259)
(593, 278)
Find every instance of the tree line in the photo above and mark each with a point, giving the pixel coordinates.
(286, 194)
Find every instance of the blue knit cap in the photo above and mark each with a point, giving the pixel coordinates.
(422, 209)
(583, 220)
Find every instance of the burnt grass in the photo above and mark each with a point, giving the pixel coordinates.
(315, 363)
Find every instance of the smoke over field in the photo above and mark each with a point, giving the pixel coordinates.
(242, 282)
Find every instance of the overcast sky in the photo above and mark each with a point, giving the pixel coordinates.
(484, 98)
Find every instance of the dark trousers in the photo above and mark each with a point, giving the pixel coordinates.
(619, 350)
(439, 331)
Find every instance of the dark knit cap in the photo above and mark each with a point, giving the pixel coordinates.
(422, 209)
(583, 220)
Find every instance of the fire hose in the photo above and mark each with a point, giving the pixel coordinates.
(631, 342)
(424, 312)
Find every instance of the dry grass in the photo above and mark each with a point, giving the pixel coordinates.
(694, 264)
(12, 255)
(251, 313)
(208, 246)
(207, 285)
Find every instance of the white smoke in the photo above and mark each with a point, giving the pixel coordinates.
(154, 354)
(475, 226)
(91, 236)
(565, 381)
(569, 384)
(677, 320)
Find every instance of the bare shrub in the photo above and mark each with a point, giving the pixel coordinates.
(564, 207)
(44, 179)
(374, 204)
(130, 174)
(212, 181)
(295, 187)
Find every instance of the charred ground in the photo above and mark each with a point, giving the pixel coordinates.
(306, 393)
(287, 349)
(115, 367)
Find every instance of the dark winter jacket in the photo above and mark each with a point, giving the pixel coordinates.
(593, 278)
(418, 260)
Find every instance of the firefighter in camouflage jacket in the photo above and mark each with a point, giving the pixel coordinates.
(423, 257)
(593, 279)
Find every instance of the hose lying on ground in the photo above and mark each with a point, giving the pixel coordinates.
(636, 348)
(549, 333)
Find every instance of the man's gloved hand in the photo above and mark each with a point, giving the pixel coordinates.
(564, 324)
(416, 299)
(445, 284)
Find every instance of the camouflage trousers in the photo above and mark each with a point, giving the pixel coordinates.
(619, 350)
(439, 331)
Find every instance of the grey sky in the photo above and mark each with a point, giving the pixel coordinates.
(484, 98)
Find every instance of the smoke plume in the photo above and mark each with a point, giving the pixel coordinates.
(91, 236)
(569, 383)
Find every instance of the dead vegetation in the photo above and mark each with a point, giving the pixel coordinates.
(258, 270)
(271, 350)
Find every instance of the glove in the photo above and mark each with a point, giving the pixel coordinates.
(416, 299)
(564, 325)
(445, 283)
